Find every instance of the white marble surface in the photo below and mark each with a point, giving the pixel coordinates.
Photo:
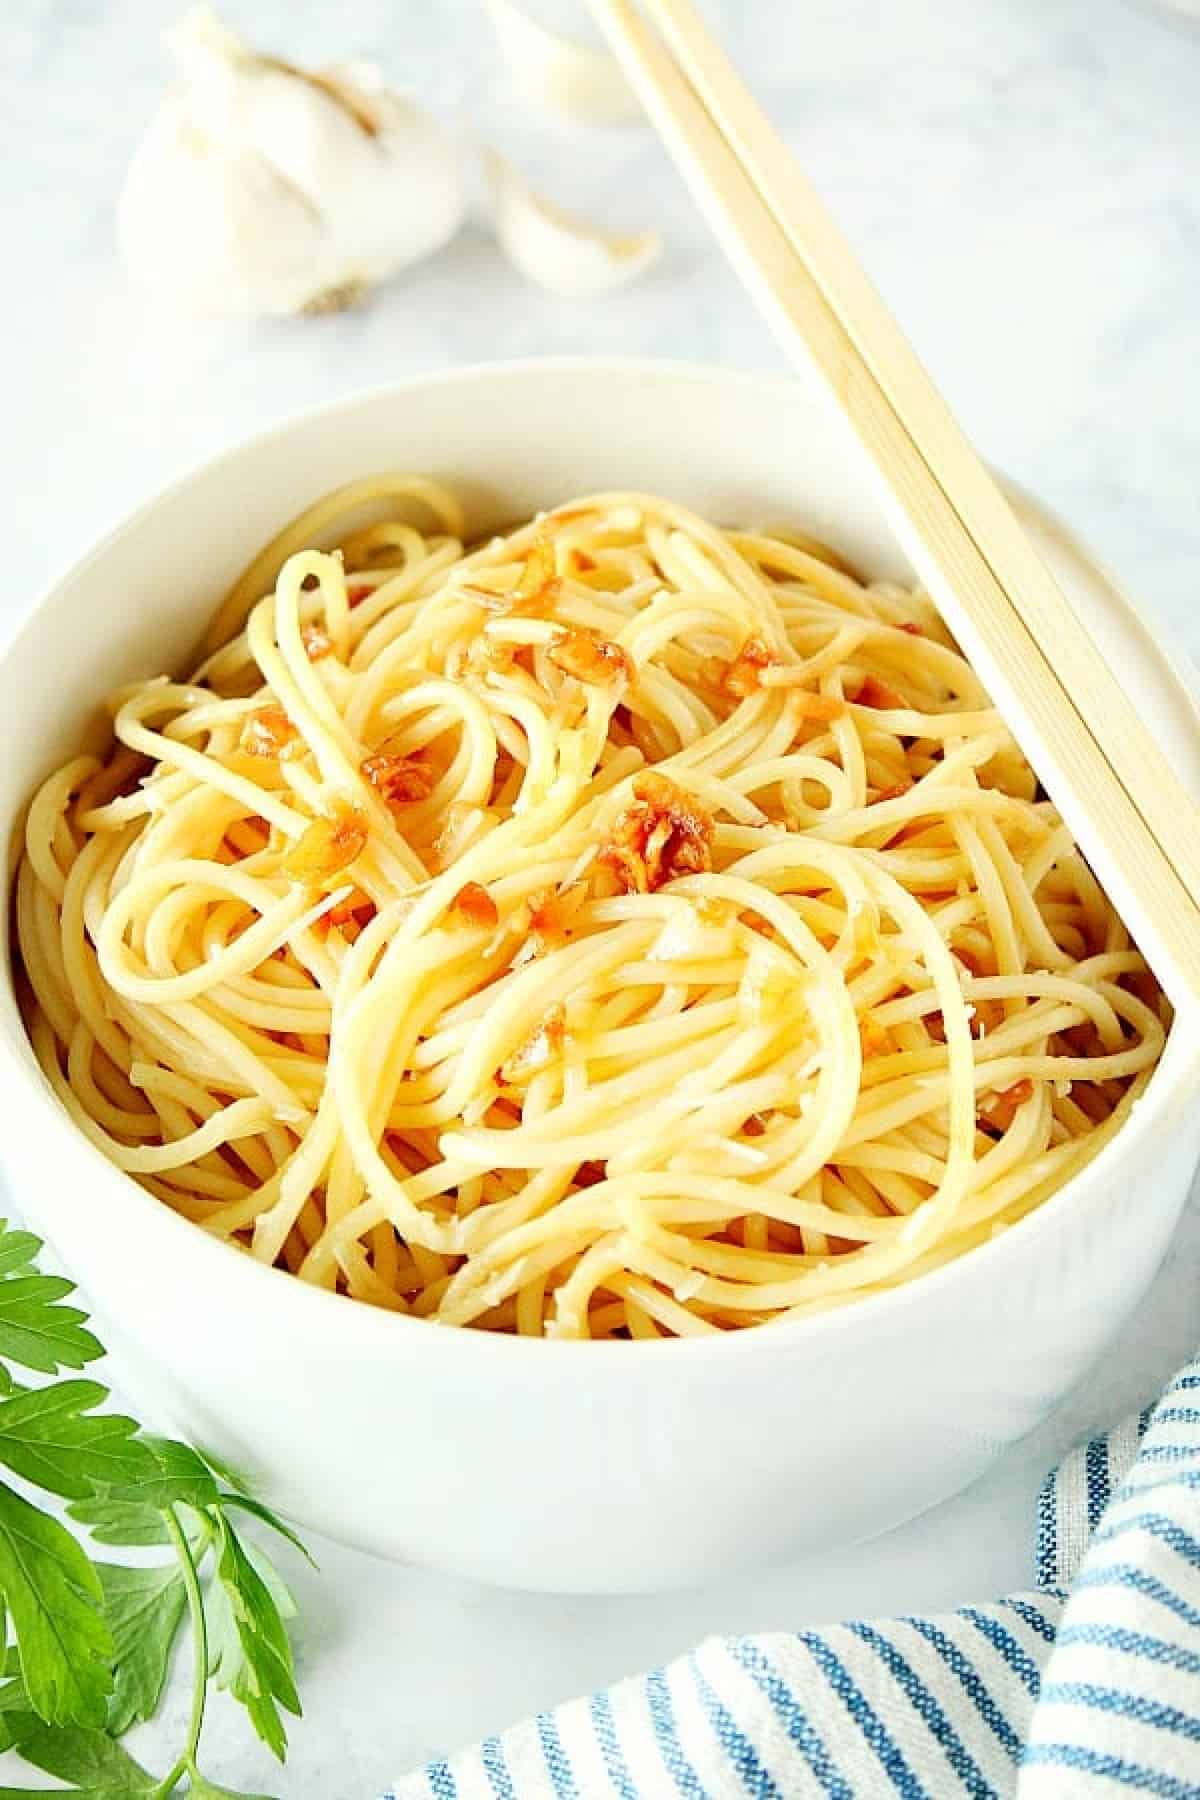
(1019, 175)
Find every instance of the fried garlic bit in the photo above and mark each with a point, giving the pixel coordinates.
(756, 666)
(317, 642)
(539, 1048)
(328, 845)
(590, 658)
(876, 1040)
(743, 676)
(473, 905)
(356, 908)
(536, 591)
(399, 780)
(546, 918)
(269, 732)
(539, 574)
(1001, 1110)
(486, 656)
(551, 911)
(880, 694)
(665, 833)
(819, 708)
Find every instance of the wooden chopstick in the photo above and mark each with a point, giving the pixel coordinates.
(1110, 779)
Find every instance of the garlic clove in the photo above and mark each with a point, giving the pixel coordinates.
(426, 184)
(262, 188)
(213, 66)
(556, 250)
(585, 84)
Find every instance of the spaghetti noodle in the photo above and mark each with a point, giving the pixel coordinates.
(624, 928)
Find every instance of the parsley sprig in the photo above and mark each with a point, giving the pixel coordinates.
(87, 1644)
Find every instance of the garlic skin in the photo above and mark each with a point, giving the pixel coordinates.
(555, 249)
(259, 189)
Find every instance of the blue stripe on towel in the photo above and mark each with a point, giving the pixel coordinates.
(615, 1765)
(1099, 1762)
(1017, 1659)
(1169, 1453)
(803, 1734)
(666, 1735)
(1047, 1535)
(1033, 1616)
(491, 1755)
(1096, 1465)
(733, 1741)
(1139, 1581)
(954, 1657)
(864, 1716)
(1159, 1525)
(557, 1766)
(1177, 1415)
(1131, 1643)
(923, 1703)
(1125, 1705)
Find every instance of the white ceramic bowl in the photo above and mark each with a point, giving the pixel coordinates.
(571, 1466)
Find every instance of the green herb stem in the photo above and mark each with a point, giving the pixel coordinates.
(169, 1783)
(191, 1582)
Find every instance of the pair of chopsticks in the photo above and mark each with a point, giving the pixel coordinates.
(1112, 783)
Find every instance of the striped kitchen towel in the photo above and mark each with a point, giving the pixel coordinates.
(1088, 1685)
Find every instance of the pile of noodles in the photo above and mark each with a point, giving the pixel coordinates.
(629, 927)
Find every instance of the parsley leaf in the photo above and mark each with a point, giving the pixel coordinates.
(183, 1476)
(144, 1609)
(94, 1642)
(13, 1697)
(249, 1652)
(37, 1330)
(265, 1514)
(17, 1249)
(15, 1711)
(174, 1475)
(47, 1436)
(120, 1521)
(226, 1472)
(107, 1792)
(56, 1605)
(272, 1580)
(92, 1760)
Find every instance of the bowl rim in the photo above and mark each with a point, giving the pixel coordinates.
(377, 1327)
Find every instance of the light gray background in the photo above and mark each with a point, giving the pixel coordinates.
(1022, 177)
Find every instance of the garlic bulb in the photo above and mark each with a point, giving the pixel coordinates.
(555, 249)
(261, 189)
